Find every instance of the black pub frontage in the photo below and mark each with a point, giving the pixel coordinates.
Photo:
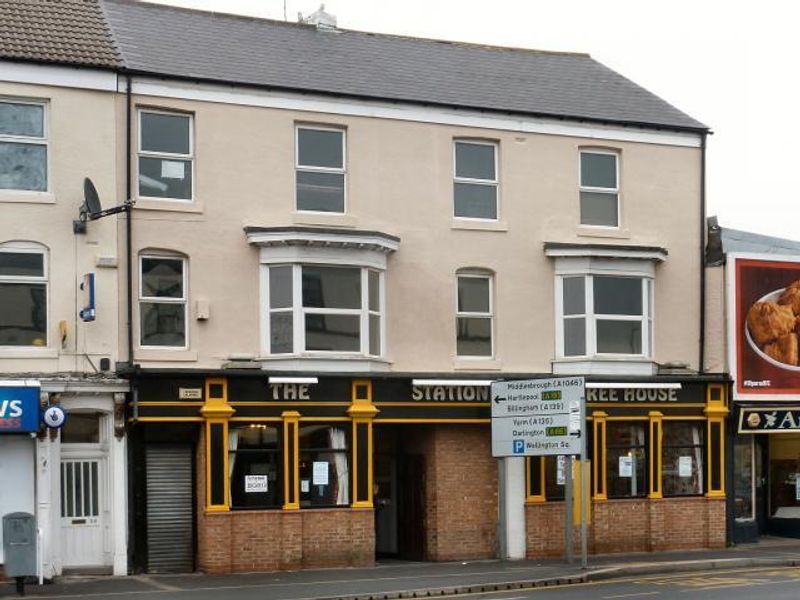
(246, 471)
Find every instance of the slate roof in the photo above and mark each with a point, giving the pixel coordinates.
(59, 31)
(216, 47)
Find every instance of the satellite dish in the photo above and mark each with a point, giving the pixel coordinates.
(91, 209)
(91, 201)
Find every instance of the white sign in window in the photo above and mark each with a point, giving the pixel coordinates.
(684, 466)
(256, 484)
(320, 473)
(626, 466)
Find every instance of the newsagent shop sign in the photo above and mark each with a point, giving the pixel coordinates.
(537, 417)
(19, 406)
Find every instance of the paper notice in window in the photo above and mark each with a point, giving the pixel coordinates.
(305, 486)
(575, 417)
(625, 466)
(173, 169)
(684, 466)
(561, 470)
(320, 473)
(797, 486)
(256, 484)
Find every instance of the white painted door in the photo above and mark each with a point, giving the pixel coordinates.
(82, 526)
(16, 477)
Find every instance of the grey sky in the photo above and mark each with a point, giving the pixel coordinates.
(732, 65)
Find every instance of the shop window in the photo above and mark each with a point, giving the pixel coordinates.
(474, 315)
(320, 169)
(314, 308)
(556, 470)
(324, 466)
(605, 315)
(743, 480)
(254, 461)
(683, 464)
(599, 188)
(784, 476)
(475, 182)
(166, 155)
(23, 295)
(626, 459)
(81, 428)
(162, 302)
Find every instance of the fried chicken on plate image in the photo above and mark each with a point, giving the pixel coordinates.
(784, 349)
(769, 320)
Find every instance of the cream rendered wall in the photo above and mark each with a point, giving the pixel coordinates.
(399, 181)
(716, 358)
(82, 140)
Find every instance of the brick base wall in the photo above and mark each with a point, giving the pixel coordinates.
(461, 494)
(636, 525)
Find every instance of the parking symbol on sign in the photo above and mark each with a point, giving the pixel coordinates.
(518, 446)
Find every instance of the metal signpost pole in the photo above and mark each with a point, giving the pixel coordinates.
(570, 467)
(584, 494)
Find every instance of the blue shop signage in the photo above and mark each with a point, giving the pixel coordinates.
(19, 407)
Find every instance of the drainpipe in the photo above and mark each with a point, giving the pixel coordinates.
(128, 224)
(701, 367)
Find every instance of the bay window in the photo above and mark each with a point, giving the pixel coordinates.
(23, 295)
(605, 315)
(323, 308)
(23, 146)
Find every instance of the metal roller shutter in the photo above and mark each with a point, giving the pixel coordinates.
(170, 547)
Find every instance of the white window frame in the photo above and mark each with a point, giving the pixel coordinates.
(30, 248)
(484, 182)
(476, 274)
(164, 155)
(599, 190)
(25, 139)
(591, 318)
(298, 168)
(164, 300)
(299, 312)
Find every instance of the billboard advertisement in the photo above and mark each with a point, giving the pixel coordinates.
(763, 325)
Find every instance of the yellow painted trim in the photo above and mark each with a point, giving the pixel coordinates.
(720, 491)
(325, 419)
(256, 419)
(643, 418)
(167, 420)
(645, 404)
(461, 404)
(433, 421)
(355, 384)
(677, 418)
(183, 403)
(293, 403)
(599, 455)
(531, 498)
(217, 407)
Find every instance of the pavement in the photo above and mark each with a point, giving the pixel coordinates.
(402, 579)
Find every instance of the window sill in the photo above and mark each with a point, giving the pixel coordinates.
(167, 204)
(604, 366)
(27, 352)
(325, 219)
(478, 224)
(27, 197)
(477, 364)
(330, 363)
(603, 232)
(147, 354)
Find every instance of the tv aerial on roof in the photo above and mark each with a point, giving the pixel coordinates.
(91, 209)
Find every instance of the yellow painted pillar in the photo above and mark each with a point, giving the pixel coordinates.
(716, 410)
(216, 412)
(291, 460)
(599, 455)
(362, 411)
(656, 442)
(535, 480)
